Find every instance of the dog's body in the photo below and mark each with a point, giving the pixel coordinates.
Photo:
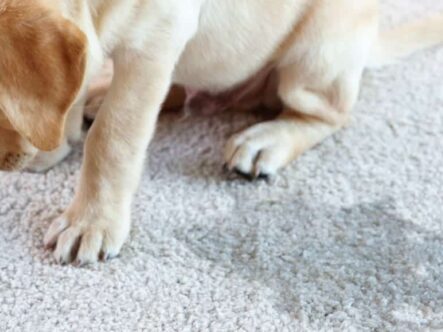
(306, 56)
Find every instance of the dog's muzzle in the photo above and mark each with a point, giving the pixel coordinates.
(10, 162)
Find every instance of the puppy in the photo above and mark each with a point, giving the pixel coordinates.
(305, 56)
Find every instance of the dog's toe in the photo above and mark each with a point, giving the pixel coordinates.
(67, 243)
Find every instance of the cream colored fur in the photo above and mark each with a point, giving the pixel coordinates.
(319, 48)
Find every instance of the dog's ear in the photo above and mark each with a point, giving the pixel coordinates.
(42, 67)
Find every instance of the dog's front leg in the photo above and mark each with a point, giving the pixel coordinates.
(98, 220)
(99, 216)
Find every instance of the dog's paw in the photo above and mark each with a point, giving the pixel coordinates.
(44, 161)
(86, 240)
(260, 151)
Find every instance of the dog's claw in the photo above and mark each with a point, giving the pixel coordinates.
(246, 176)
(264, 177)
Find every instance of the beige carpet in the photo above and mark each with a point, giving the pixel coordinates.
(349, 238)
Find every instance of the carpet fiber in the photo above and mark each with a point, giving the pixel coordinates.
(349, 238)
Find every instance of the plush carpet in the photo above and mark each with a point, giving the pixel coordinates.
(349, 238)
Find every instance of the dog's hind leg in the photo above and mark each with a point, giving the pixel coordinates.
(308, 118)
(319, 84)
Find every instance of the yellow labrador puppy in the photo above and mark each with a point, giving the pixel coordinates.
(306, 56)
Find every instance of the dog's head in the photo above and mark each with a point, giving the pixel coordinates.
(42, 66)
